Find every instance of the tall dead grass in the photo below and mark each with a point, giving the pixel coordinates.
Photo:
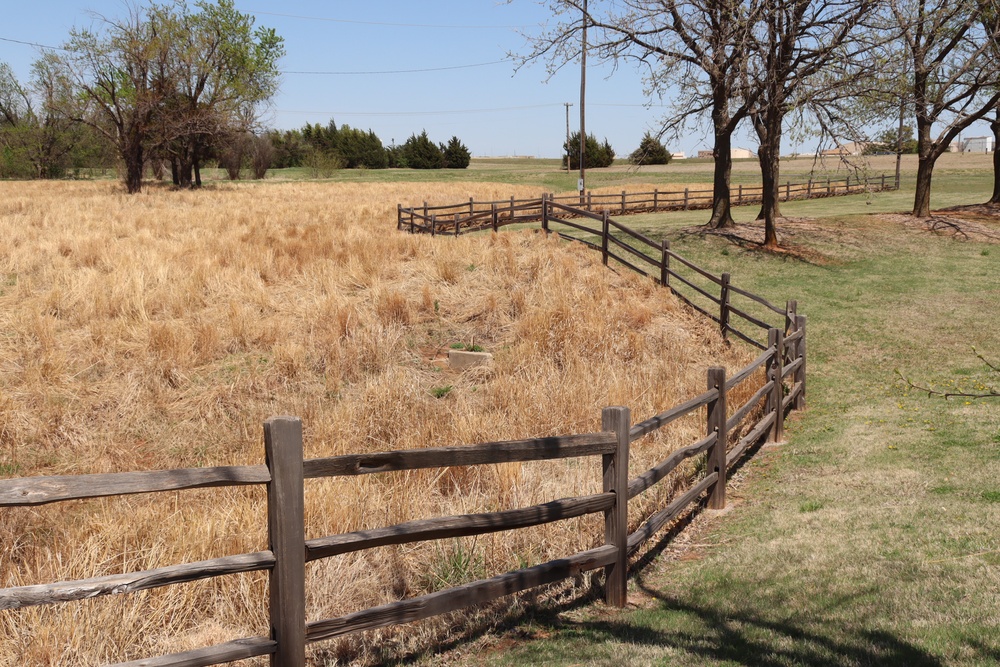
(160, 330)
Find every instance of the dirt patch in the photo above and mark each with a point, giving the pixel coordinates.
(973, 222)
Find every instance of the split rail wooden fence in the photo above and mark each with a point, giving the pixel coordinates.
(730, 432)
(453, 219)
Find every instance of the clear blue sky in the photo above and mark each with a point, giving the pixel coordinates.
(492, 109)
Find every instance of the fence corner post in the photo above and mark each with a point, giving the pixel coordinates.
(791, 308)
(399, 217)
(286, 536)
(615, 467)
(545, 213)
(496, 217)
(604, 237)
(800, 353)
(665, 264)
(724, 307)
(777, 340)
(716, 454)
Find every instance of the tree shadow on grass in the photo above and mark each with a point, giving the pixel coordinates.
(739, 638)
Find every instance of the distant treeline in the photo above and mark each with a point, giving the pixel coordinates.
(330, 147)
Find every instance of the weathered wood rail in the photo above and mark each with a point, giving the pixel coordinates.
(453, 219)
(730, 433)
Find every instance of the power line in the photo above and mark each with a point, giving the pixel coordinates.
(41, 46)
(404, 71)
(420, 113)
(394, 25)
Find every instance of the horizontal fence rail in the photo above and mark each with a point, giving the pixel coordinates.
(454, 219)
(777, 380)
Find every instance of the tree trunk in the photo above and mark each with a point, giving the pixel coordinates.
(134, 164)
(768, 128)
(196, 162)
(995, 126)
(175, 170)
(722, 215)
(922, 199)
(925, 169)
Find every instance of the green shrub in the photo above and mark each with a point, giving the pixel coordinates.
(650, 151)
(597, 155)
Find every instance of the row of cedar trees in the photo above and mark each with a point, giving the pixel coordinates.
(318, 146)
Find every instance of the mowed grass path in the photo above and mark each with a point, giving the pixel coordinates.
(872, 537)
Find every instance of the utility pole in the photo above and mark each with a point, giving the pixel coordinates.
(569, 149)
(581, 186)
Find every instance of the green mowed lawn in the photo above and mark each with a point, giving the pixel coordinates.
(872, 536)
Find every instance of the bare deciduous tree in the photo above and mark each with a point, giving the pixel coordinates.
(954, 75)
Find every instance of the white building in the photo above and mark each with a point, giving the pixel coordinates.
(978, 145)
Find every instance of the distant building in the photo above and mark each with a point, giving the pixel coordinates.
(850, 148)
(978, 145)
(735, 153)
(679, 156)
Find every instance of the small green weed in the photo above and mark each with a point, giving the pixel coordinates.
(457, 566)
(441, 392)
(467, 347)
(991, 496)
(9, 469)
(810, 506)
(943, 490)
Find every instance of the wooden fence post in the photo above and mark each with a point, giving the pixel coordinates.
(665, 264)
(685, 199)
(791, 307)
(788, 190)
(425, 211)
(776, 339)
(616, 419)
(656, 197)
(589, 200)
(724, 306)
(739, 197)
(809, 188)
(456, 225)
(715, 457)
(472, 207)
(496, 216)
(605, 233)
(800, 353)
(828, 191)
(512, 208)
(399, 217)
(286, 535)
(545, 214)
(623, 202)
(434, 224)
(883, 181)
(847, 184)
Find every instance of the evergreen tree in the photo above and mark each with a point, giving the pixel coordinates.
(598, 155)
(419, 152)
(456, 155)
(650, 151)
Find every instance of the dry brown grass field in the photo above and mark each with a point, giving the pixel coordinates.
(160, 330)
